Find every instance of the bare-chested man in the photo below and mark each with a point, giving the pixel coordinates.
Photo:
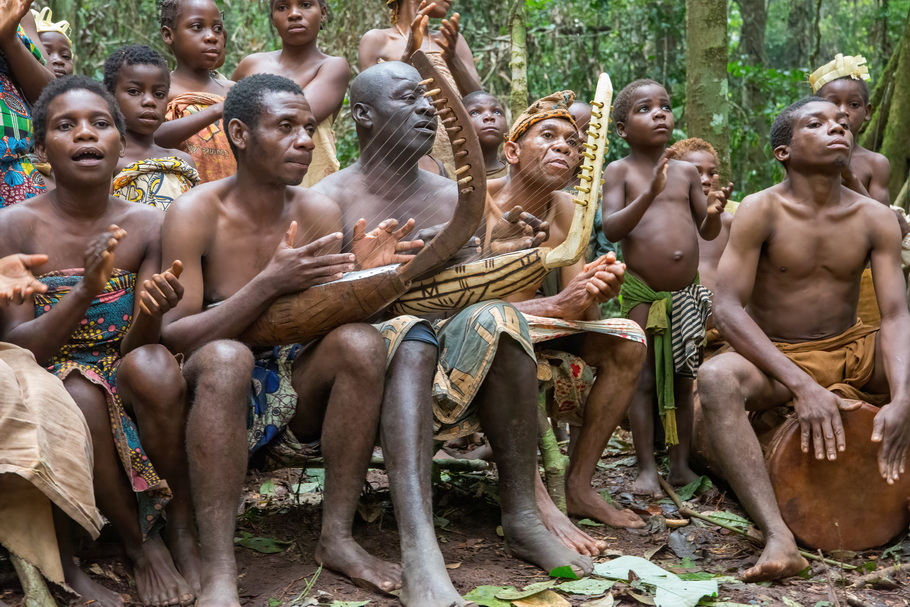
(489, 375)
(791, 275)
(238, 238)
(543, 152)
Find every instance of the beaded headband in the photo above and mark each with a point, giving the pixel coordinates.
(555, 105)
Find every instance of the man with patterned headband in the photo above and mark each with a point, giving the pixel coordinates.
(482, 373)
(587, 366)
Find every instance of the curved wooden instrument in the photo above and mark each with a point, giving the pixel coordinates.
(839, 505)
(357, 296)
(500, 276)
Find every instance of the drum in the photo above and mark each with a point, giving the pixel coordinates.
(839, 505)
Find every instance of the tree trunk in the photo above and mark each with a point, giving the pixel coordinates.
(518, 98)
(754, 15)
(896, 138)
(799, 24)
(707, 110)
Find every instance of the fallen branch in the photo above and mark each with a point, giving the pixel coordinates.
(692, 513)
(880, 575)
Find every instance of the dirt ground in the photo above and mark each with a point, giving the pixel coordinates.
(276, 518)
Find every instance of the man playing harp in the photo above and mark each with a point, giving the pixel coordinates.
(483, 373)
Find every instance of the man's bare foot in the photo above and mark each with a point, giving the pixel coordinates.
(780, 558)
(157, 580)
(365, 570)
(90, 592)
(559, 525)
(681, 477)
(528, 539)
(426, 587)
(647, 484)
(584, 502)
(219, 591)
(184, 549)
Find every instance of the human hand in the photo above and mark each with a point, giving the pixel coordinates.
(418, 27)
(447, 36)
(891, 428)
(99, 259)
(818, 411)
(517, 231)
(11, 13)
(717, 197)
(17, 283)
(659, 182)
(162, 292)
(384, 245)
(297, 269)
(598, 282)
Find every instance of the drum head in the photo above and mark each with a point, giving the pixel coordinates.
(839, 505)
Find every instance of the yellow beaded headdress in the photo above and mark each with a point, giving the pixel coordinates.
(841, 67)
(44, 22)
(555, 105)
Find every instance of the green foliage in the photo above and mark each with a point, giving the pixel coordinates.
(569, 43)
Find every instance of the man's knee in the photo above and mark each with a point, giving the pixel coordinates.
(718, 383)
(614, 352)
(358, 346)
(222, 367)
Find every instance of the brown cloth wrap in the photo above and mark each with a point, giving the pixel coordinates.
(843, 363)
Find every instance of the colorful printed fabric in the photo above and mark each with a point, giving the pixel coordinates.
(18, 178)
(155, 181)
(209, 147)
(676, 322)
(568, 376)
(93, 351)
(467, 344)
(273, 404)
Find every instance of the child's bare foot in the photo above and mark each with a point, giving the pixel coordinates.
(586, 503)
(647, 483)
(157, 580)
(528, 539)
(365, 570)
(90, 592)
(185, 552)
(780, 558)
(219, 591)
(565, 531)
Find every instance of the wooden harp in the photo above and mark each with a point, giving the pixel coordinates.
(496, 277)
(301, 317)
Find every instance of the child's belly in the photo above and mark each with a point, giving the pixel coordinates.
(666, 262)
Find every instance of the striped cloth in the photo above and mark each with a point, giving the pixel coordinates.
(691, 309)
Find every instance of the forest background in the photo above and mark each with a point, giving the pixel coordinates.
(730, 67)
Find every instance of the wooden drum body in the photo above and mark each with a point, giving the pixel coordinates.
(839, 505)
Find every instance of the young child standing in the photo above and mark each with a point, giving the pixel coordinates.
(655, 206)
(323, 78)
(194, 31)
(843, 83)
(58, 48)
(138, 78)
(489, 121)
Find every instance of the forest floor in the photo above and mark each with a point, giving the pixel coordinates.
(279, 526)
